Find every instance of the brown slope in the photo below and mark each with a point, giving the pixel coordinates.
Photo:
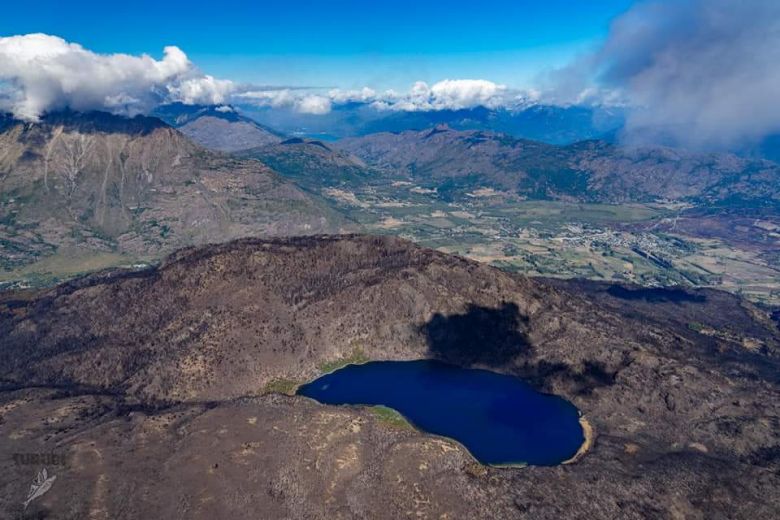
(220, 322)
(136, 187)
(225, 135)
(313, 164)
(686, 422)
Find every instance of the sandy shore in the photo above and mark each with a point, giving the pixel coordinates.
(587, 444)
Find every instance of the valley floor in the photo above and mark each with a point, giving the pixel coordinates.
(648, 244)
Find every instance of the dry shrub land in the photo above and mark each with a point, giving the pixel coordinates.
(179, 371)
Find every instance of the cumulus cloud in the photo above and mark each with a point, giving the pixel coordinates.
(43, 72)
(202, 90)
(700, 73)
(449, 94)
(467, 93)
(444, 95)
(313, 105)
(40, 73)
(364, 95)
(279, 98)
(304, 103)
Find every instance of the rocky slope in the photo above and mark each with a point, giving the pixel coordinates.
(461, 161)
(165, 371)
(217, 127)
(136, 187)
(313, 164)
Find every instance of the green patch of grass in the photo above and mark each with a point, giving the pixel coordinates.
(358, 357)
(696, 326)
(475, 469)
(390, 417)
(281, 386)
(66, 264)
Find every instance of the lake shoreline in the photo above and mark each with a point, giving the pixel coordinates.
(420, 390)
(587, 444)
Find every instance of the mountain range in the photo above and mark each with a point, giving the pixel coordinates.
(108, 190)
(458, 162)
(538, 152)
(552, 124)
(546, 123)
(189, 358)
(137, 187)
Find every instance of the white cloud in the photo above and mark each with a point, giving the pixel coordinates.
(40, 73)
(304, 103)
(467, 93)
(444, 95)
(364, 95)
(449, 94)
(313, 105)
(269, 98)
(202, 90)
(698, 73)
(48, 73)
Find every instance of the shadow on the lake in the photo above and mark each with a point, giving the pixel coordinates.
(498, 337)
(482, 335)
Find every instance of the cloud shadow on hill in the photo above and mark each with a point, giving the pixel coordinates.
(497, 337)
(481, 335)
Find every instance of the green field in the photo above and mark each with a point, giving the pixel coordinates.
(621, 243)
(63, 265)
(566, 239)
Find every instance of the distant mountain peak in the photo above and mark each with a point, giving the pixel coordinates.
(438, 129)
(179, 114)
(546, 123)
(136, 187)
(312, 142)
(93, 121)
(217, 127)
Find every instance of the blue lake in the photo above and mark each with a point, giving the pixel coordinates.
(500, 419)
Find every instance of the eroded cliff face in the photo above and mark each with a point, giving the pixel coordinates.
(135, 186)
(166, 370)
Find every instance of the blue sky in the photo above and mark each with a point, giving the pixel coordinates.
(703, 71)
(345, 44)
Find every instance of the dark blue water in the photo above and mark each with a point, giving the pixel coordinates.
(499, 418)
